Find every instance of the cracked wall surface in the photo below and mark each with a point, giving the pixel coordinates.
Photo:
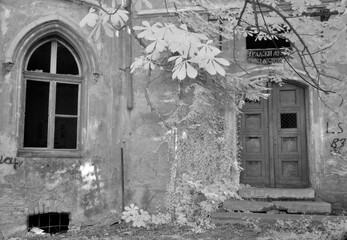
(90, 184)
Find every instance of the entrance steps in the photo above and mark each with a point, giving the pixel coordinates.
(277, 201)
(241, 218)
(277, 193)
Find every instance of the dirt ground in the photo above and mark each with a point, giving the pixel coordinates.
(123, 231)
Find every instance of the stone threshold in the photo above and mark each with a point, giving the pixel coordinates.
(299, 207)
(277, 193)
(240, 218)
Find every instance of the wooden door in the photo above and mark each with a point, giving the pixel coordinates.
(273, 139)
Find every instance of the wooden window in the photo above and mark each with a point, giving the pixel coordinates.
(52, 82)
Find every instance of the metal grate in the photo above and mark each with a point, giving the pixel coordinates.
(288, 120)
(50, 222)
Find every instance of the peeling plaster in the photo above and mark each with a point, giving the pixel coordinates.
(93, 127)
(93, 194)
(7, 145)
(88, 176)
(7, 77)
(55, 180)
(4, 22)
(6, 170)
(91, 176)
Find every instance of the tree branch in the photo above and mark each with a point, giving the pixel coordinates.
(305, 49)
(149, 102)
(242, 12)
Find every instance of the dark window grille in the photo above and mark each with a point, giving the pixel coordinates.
(50, 222)
(288, 120)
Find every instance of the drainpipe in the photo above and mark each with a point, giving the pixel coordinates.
(128, 50)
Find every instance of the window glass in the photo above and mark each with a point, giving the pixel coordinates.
(66, 63)
(65, 133)
(67, 99)
(36, 114)
(51, 105)
(40, 60)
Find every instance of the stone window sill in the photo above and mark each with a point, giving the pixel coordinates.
(40, 153)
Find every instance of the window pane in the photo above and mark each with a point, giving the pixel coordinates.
(65, 133)
(36, 114)
(40, 60)
(66, 99)
(66, 63)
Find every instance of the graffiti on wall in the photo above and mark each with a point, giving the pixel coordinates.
(338, 125)
(337, 144)
(11, 161)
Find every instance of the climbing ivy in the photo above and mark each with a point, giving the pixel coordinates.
(201, 128)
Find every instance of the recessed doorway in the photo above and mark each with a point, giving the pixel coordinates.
(273, 139)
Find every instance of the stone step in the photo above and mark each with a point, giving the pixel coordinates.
(277, 193)
(299, 207)
(303, 207)
(233, 205)
(240, 218)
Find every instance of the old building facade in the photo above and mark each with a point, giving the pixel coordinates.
(76, 134)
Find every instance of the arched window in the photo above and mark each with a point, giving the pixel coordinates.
(52, 81)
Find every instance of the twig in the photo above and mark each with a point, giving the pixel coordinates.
(241, 13)
(315, 85)
(149, 102)
(260, 4)
(255, 15)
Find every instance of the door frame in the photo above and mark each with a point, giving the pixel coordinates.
(307, 95)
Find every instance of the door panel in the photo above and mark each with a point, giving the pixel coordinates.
(254, 125)
(273, 138)
(290, 133)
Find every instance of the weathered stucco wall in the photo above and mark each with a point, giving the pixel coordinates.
(80, 186)
(91, 184)
(329, 133)
(326, 122)
(83, 186)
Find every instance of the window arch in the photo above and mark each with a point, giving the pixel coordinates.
(53, 56)
(52, 82)
(74, 39)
